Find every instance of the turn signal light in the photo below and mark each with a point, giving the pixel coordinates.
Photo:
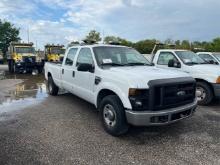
(134, 92)
(218, 80)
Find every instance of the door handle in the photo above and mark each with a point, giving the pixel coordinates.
(62, 71)
(73, 74)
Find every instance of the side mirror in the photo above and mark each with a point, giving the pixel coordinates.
(173, 64)
(85, 67)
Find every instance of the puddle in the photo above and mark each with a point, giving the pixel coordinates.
(28, 93)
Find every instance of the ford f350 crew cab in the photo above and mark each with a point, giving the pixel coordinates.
(206, 75)
(124, 86)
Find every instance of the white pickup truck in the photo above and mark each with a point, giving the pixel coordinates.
(211, 57)
(124, 86)
(207, 75)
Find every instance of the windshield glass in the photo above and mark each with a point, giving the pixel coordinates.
(217, 56)
(56, 51)
(189, 57)
(119, 56)
(24, 50)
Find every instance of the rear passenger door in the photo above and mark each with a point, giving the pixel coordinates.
(85, 80)
(68, 70)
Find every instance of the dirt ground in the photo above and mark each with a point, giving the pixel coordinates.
(36, 128)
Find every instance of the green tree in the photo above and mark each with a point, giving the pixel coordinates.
(122, 41)
(185, 44)
(8, 33)
(93, 36)
(216, 44)
(108, 39)
(145, 46)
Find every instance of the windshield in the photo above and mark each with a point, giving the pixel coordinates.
(189, 57)
(119, 56)
(24, 50)
(56, 51)
(217, 56)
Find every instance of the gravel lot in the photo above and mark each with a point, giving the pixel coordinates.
(39, 129)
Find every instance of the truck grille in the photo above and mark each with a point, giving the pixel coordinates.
(171, 94)
(31, 59)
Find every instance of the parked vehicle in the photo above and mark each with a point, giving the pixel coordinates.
(124, 86)
(206, 75)
(54, 53)
(22, 57)
(1, 58)
(211, 57)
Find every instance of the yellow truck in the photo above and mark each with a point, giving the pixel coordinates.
(22, 58)
(54, 53)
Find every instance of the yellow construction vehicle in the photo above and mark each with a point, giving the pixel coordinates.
(22, 58)
(54, 53)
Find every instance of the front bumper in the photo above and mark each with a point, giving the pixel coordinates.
(148, 118)
(216, 88)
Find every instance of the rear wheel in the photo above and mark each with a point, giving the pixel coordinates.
(52, 88)
(113, 116)
(204, 93)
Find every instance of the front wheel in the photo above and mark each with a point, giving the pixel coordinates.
(204, 93)
(113, 116)
(52, 88)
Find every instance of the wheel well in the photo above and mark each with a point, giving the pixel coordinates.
(103, 93)
(201, 80)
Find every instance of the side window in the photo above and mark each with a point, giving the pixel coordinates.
(85, 56)
(165, 57)
(70, 56)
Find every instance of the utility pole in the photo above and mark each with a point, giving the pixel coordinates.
(36, 45)
(103, 36)
(28, 34)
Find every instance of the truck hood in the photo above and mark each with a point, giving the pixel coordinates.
(206, 69)
(139, 76)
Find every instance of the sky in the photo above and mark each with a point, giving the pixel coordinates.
(63, 21)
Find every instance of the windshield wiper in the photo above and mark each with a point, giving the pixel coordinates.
(192, 63)
(111, 64)
(137, 63)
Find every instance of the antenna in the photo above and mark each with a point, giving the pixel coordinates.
(103, 36)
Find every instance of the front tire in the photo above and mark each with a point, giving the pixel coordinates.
(113, 116)
(204, 93)
(52, 88)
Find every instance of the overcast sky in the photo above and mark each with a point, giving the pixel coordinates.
(61, 21)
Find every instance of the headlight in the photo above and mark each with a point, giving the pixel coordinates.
(139, 99)
(218, 80)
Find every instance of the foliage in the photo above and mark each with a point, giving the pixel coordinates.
(93, 36)
(8, 33)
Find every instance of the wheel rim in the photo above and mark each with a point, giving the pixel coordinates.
(109, 115)
(200, 93)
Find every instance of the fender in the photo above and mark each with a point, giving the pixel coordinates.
(117, 90)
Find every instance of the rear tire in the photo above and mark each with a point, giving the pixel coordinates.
(204, 93)
(112, 115)
(52, 88)
(11, 66)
